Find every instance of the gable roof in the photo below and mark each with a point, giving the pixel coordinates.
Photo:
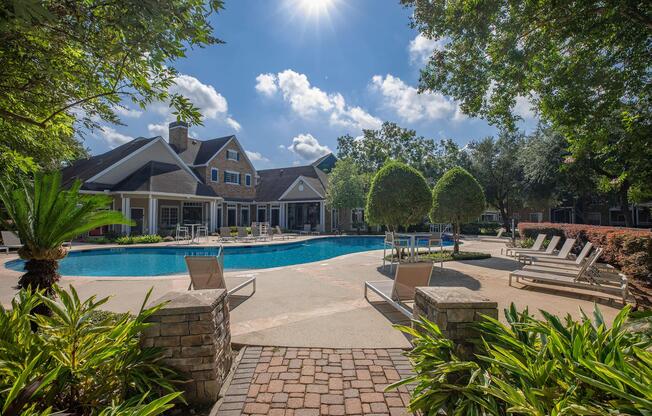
(85, 169)
(163, 178)
(273, 183)
(199, 152)
(325, 162)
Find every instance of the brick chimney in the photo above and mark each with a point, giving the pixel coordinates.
(179, 135)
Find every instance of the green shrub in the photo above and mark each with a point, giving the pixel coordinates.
(398, 196)
(457, 198)
(534, 367)
(480, 228)
(139, 239)
(77, 360)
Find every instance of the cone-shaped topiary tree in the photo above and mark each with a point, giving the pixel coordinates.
(457, 198)
(398, 196)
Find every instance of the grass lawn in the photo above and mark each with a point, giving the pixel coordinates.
(448, 255)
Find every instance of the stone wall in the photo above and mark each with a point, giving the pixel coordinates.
(454, 310)
(193, 331)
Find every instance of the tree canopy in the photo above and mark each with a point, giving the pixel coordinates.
(392, 142)
(496, 165)
(347, 186)
(457, 198)
(65, 65)
(398, 196)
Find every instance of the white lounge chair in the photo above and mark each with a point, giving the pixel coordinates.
(256, 235)
(549, 250)
(584, 278)
(283, 235)
(10, 241)
(577, 262)
(408, 277)
(243, 235)
(225, 234)
(207, 272)
(562, 254)
(538, 243)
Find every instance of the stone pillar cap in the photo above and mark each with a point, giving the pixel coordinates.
(189, 301)
(455, 297)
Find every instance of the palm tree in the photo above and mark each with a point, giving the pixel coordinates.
(45, 216)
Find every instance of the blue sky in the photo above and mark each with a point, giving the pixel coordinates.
(296, 74)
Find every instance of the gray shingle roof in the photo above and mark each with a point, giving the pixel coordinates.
(201, 151)
(163, 177)
(273, 183)
(85, 169)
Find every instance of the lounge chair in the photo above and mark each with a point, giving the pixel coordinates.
(243, 235)
(256, 235)
(207, 272)
(577, 262)
(408, 277)
(283, 235)
(538, 243)
(562, 254)
(549, 250)
(225, 234)
(9, 241)
(585, 278)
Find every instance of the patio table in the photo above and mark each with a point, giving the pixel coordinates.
(413, 239)
(192, 231)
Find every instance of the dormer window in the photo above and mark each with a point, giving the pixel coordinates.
(215, 175)
(232, 155)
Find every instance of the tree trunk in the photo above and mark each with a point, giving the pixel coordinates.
(41, 275)
(504, 216)
(624, 204)
(456, 238)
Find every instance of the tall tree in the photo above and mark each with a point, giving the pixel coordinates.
(392, 142)
(585, 65)
(347, 186)
(495, 164)
(66, 61)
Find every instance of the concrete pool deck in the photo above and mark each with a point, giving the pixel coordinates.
(321, 304)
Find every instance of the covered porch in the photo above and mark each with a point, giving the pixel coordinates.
(160, 214)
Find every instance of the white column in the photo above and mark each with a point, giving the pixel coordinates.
(283, 214)
(126, 211)
(322, 217)
(152, 217)
(212, 216)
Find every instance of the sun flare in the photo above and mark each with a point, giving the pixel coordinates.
(312, 11)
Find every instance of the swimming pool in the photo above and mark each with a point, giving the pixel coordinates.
(157, 261)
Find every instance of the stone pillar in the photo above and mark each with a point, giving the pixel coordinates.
(322, 217)
(212, 216)
(193, 331)
(454, 310)
(126, 211)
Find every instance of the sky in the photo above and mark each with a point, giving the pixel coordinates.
(294, 75)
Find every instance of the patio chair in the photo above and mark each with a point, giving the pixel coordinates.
(538, 243)
(393, 243)
(283, 235)
(586, 278)
(225, 234)
(563, 253)
(202, 229)
(577, 262)
(549, 250)
(182, 233)
(570, 267)
(9, 241)
(396, 292)
(256, 235)
(243, 235)
(207, 272)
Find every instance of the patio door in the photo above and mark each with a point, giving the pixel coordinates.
(231, 216)
(137, 214)
(262, 214)
(276, 216)
(193, 213)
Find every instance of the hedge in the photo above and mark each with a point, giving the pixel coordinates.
(629, 249)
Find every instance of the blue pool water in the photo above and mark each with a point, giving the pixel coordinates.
(156, 261)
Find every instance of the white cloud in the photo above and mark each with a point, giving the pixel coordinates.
(266, 84)
(409, 104)
(307, 147)
(256, 156)
(127, 112)
(310, 102)
(113, 137)
(160, 129)
(421, 48)
(524, 108)
(212, 105)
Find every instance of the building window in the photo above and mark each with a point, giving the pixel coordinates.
(231, 177)
(169, 216)
(214, 175)
(248, 179)
(536, 216)
(357, 216)
(244, 216)
(232, 155)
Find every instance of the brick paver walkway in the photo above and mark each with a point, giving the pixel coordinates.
(316, 381)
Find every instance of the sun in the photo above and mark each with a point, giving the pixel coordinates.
(312, 11)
